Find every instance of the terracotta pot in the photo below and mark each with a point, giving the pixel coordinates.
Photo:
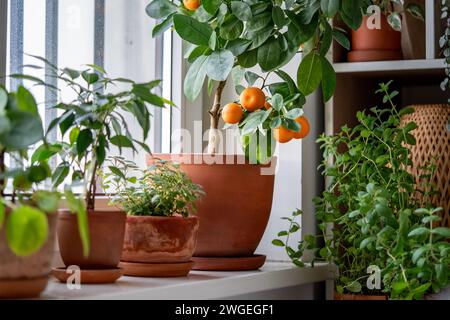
(106, 232)
(359, 297)
(26, 277)
(160, 239)
(235, 210)
(375, 44)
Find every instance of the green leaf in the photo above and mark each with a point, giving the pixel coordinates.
(328, 79)
(309, 73)
(420, 231)
(211, 6)
(116, 171)
(76, 206)
(444, 232)
(192, 30)
(238, 46)
(269, 55)
(278, 17)
(342, 39)
(195, 78)
(278, 243)
(219, 65)
(241, 10)
(122, 142)
(3, 100)
(290, 82)
(259, 22)
(162, 27)
(160, 9)
(248, 59)
(47, 201)
(251, 78)
(330, 7)
(26, 230)
(90, 77)
(45, 152)
(26, 101)
(60, 174)
(73, 74)
(2, 214)
(84, 140)
(418, 253)
(231, 28)
(25, 130)
(351, 13)
(355, 286)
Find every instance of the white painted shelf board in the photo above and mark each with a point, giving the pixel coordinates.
(199, 285)
(385, 66)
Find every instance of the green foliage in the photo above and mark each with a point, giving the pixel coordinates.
(377, 221)
(160, 190)
(444, 44)
(394, 8)
(245, 33)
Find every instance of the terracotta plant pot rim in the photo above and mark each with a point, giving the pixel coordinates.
(67, 214)
(134, 217)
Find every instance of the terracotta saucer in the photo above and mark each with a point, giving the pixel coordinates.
(90, 276)
(157, 270)
(22, 288)
(229, 263)
(374, 55)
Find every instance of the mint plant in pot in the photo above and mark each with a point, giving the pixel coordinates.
(27, 207)
(230, 37)
(161, 230)
(90, 126)
(384, 242)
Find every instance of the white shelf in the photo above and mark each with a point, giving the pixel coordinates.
(198, 285)
(388, 66)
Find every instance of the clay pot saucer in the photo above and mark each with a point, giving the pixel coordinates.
(90, 276)
(157, 270)
(22, 288)
(374, 55)
(229, 263)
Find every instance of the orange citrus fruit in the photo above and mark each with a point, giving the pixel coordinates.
(283, 135)
(253, 99)
(304, 130)
(232, 113)
(191, 4)
(267, 105)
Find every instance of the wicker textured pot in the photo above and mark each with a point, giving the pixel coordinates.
(433, 142)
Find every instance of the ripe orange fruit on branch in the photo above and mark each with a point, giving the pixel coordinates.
(283, 135)
(253, 99)
(191, 4)
(304, 130)
(232, 113)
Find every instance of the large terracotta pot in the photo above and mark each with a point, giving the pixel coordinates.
(26, 277)
(106, 233)
(235, 210)
(375, 44)
(359, 297)
(160, 239)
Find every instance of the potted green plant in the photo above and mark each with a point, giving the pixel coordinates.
(161, 230)
(28, 212)
(229, 37)
(379, 37)
(90, 126)
(384, 242)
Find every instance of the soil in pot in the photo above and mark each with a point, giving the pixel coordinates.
(375, 44)
(235, 210)
(106, 233)
(26, 277)
(159, 246)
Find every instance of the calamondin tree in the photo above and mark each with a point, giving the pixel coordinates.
(229, 37)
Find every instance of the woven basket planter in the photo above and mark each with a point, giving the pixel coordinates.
(433, 142)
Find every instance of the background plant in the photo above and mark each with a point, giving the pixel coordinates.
(23, 213)
(160, 190)
(444, 43)
(393, 9)
(376, 218)
(94, 122)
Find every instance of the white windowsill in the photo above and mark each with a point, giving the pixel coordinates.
(199, 285)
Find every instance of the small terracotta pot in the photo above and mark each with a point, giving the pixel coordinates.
(26, 277)
(160, 239)
(236, 208)
(375, 44)
(359, 297)
(106, 232)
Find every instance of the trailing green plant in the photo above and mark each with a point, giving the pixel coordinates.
(162, 189)
(377, 221)
(23, 213)
(444, 43)
(94, 122)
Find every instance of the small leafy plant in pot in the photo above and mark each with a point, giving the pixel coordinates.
(379, 37)
(385, 243)
(27, 208)
(90, 126)
(161, 232)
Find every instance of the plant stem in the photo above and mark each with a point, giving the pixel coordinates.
(2, 170)
(215, 113)
(92, 189)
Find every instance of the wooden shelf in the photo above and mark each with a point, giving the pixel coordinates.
(389, 66)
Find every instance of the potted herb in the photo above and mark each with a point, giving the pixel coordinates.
(384, 242)
(27, 208)
(229, 37)
(90, 126)
(161, 232)
(379, 37)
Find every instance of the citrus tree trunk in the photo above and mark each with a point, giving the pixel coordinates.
(215, 113)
